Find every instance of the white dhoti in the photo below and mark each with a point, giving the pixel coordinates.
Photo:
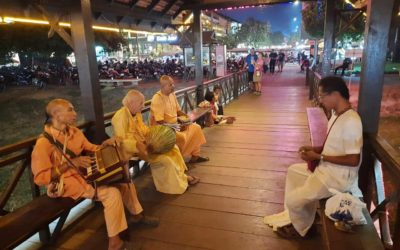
(303, 190)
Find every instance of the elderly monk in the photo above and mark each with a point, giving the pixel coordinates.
(50, 165)
(168, 169)
(165, 109)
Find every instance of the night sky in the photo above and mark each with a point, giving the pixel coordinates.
(280, 16)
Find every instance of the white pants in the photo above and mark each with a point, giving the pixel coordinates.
(303, 190)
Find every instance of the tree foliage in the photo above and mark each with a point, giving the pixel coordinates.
(231, 40)
(277, 38)
(31, 41)
(313, 15)
(293, 38)
(254, 33)
(110, 41)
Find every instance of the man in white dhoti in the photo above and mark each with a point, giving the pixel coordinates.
(338, 167)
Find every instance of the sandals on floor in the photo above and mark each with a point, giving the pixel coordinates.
(199, 159)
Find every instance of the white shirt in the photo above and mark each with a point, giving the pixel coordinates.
(344, 138)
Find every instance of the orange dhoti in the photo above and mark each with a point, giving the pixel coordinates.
(190, 140)
(113, 199)
(165, 108)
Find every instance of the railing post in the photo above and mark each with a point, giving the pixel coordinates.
(366, 172)
(235, 86)
(307, 76)
(311, 84)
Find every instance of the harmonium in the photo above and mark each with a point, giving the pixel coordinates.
(107, 167)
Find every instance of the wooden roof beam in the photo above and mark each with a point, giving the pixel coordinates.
(168, 7)
(152, 5)
(122, 10)
(178, 12)
(133, 4)
(119, 19)
(97, 15)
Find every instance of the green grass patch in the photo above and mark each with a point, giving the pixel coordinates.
(390, 68)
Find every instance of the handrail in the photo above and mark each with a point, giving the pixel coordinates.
(21, 151)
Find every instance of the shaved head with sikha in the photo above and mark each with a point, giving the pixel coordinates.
(167, 85)
(134, 101)
(56, 105)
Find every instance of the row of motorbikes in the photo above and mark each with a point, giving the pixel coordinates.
(23, 76)
(145, 70)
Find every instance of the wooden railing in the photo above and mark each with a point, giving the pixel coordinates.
(378, 157)
(17, 156)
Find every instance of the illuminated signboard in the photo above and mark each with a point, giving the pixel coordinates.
(162, 39)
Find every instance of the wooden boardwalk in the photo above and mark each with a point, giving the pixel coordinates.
(243, 181)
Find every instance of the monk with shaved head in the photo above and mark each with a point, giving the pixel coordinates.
(50, 166)
(168, 169)
(165, 109)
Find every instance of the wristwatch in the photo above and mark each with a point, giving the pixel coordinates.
(321, 157)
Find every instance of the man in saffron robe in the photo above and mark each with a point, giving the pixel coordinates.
(168, 169)
(165, 109)
(49, 165)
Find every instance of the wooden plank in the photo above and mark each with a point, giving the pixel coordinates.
(248, 173)
(258, 162)
(256, 146)
(209, 238)
(238, 181)
(212, 203)
(250, 152)
(242, 193)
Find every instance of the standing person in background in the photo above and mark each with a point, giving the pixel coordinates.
(281, 60)
(272, 61)
(258, 74)
(249, 62)
(266, 62)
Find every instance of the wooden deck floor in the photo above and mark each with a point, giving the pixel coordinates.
(243, 181)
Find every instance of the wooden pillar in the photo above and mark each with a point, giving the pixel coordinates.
(328, 36)
(83, 38)
(379, 15)
(198, 53)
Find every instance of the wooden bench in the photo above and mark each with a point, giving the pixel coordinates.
(120, 82)
(19, 225)
(364, 236)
